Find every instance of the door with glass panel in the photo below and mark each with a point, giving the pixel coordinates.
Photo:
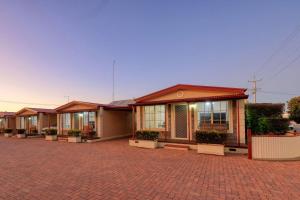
(180, 111)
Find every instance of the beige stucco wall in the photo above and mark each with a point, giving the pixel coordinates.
(116, 123)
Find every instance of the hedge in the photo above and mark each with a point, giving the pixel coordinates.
(74, 133)
(8, 130)
(51, 131)
(147, 135)
(210, 137)
(265, 118)
(21, 131)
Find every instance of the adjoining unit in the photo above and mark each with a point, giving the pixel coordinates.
(7, 121)
(178, 111)
(107, 121)
(35, 120)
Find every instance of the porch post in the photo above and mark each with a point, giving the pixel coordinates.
(40, 119)
(133, 123)
(238, 122)
(189, 120)
(58, 123)
(48, 121)
(249, 138)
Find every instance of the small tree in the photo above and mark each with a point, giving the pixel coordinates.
(294, 109)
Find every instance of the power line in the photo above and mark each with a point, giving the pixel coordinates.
(285, 67)
(27, 103)
(279, 93)
(282, 45)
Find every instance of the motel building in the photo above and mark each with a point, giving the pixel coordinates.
(178, 111)
(35, 120)
(7, 121)
(108, 121)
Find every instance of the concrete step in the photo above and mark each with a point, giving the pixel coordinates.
(177, 147)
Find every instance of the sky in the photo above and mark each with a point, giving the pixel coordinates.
(51, 49)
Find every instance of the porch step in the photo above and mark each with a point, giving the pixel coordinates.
(177, 147)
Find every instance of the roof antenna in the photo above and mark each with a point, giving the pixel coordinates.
(68, 98)
(113, 93)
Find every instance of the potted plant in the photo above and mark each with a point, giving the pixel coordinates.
(210, 142)
(74, 136)
(8, 132)
(51, 134)
(145, 139)
(21, 133)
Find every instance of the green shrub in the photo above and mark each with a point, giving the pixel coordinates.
(263, 125)
(74, 133)
(147, 135)
(51, 131)
(8, 130)
(21, 131)
(279, 126)
(260, 117)
(210, 137)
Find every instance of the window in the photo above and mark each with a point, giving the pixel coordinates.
(89, 119)
(66, 120)
(212, 113)
(154, 116)
(220, 112)
(33, 120)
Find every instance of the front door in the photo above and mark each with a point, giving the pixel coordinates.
(181, 121)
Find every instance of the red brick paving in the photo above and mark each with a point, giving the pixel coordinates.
(37, 169)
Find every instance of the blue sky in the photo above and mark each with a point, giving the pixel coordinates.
(52, 49)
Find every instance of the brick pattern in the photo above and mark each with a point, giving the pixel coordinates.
(37, 169)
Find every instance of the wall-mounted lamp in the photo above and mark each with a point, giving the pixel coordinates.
(193, 106)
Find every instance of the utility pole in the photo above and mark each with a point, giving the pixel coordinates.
(113, 89)
(254, 87)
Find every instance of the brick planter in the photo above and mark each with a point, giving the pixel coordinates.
(74, 139)
(149, 144)
(8, 134)
(21, 136)
(214, 149)
(51, 137)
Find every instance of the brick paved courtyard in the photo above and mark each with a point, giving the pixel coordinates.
(36, 169)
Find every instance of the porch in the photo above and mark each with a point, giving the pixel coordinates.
(177, 122)
(84, 121)
(35, 120)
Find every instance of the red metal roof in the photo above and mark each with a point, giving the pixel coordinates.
(7, 114)
(190, 87)
(37, 110)
(96, 105)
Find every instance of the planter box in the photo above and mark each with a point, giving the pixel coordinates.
(51, 137)
(214, 149)
(8, 134)
(149, 144)
(21, 136)
(74, 139)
